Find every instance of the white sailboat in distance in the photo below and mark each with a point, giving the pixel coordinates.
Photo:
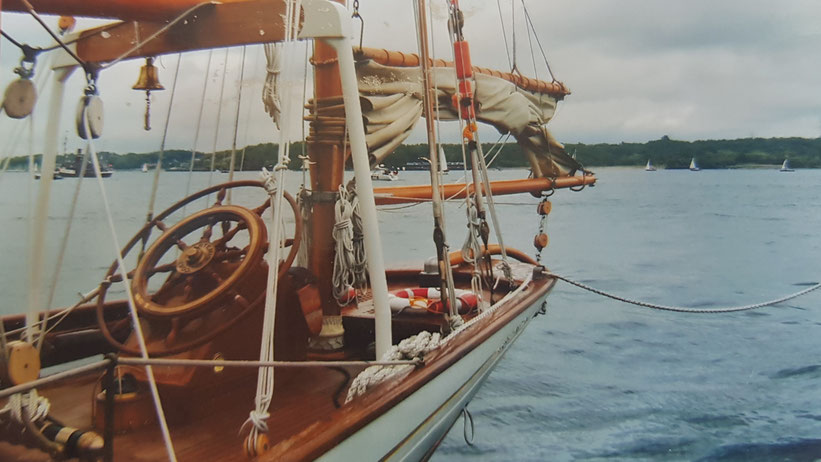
(693, 166)
(649, 167)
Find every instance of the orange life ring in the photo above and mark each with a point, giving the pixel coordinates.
(429, 299)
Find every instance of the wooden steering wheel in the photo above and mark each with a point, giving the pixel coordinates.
(208, 273)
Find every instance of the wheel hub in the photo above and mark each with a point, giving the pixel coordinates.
(195, 257)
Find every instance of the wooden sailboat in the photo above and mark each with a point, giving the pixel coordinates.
(223, 329)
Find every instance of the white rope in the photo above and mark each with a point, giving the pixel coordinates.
(270, 91)
(63, 247)
(525, 283)
(349, 262)
(219, 117)
(305, 209)
(275, 186)
(414, 347)
(197, 128)
(232, 164)
(471, 248)
(156, 183)
(36, 407)
(169, 447)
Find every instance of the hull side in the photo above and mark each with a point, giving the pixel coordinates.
(414, 427)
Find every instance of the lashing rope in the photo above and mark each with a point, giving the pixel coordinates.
(682, 309)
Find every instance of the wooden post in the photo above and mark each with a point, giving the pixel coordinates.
(327, 169)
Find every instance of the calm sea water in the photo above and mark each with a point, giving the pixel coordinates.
(594, 379)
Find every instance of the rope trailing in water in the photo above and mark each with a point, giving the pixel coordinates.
(681, 309)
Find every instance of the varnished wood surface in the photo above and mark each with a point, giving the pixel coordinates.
(305, 421)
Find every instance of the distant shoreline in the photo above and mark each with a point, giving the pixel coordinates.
(664, 153)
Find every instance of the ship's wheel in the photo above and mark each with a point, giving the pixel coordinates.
(213, 268)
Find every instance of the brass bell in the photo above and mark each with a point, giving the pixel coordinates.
(148, 80)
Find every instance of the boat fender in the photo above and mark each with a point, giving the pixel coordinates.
(19, 99)
(429, 299)
(75, 443)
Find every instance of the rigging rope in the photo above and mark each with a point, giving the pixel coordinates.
(155, 185)
(219, 117)
(349, 256)
(199, 124)
(276, 187)
(126, 285)
(682, 309)
(232, 165)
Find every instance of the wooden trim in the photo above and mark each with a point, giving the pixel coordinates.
(212, 26)
(149, 10)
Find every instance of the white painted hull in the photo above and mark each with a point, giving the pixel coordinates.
(412, 428)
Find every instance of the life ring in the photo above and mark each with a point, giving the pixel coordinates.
(425, 299)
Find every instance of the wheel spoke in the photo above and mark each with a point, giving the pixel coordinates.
(227, 236)
(206, 233)
(162, 227)
(162, 269)
(262, 208)
(230, 254)
(215, 276)
(220, 197)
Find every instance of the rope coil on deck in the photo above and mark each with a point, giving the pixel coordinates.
(681, 309)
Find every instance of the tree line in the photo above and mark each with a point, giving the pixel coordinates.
(664, 153)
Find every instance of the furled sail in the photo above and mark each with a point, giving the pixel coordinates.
(391, 97)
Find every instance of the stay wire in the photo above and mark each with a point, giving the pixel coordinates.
(13, 42)
(62, 45)
(504, 32)
(538, 42)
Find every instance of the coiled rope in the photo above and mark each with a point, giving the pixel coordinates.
(682, 309)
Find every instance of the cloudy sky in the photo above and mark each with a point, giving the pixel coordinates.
(638, 70)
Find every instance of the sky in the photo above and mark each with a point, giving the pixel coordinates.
(638, 70)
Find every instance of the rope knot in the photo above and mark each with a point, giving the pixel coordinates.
(269, 181)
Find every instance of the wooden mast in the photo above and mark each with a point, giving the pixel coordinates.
(327, 154)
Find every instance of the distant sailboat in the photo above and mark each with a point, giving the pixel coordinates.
(649, 167)
(785, 167)
(443, 162)
(145, 168)
(693, 166)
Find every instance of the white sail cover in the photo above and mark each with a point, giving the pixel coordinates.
(392, 103)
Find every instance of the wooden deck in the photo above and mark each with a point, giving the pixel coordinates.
(205, 420)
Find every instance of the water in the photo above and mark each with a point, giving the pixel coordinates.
(594, 379)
